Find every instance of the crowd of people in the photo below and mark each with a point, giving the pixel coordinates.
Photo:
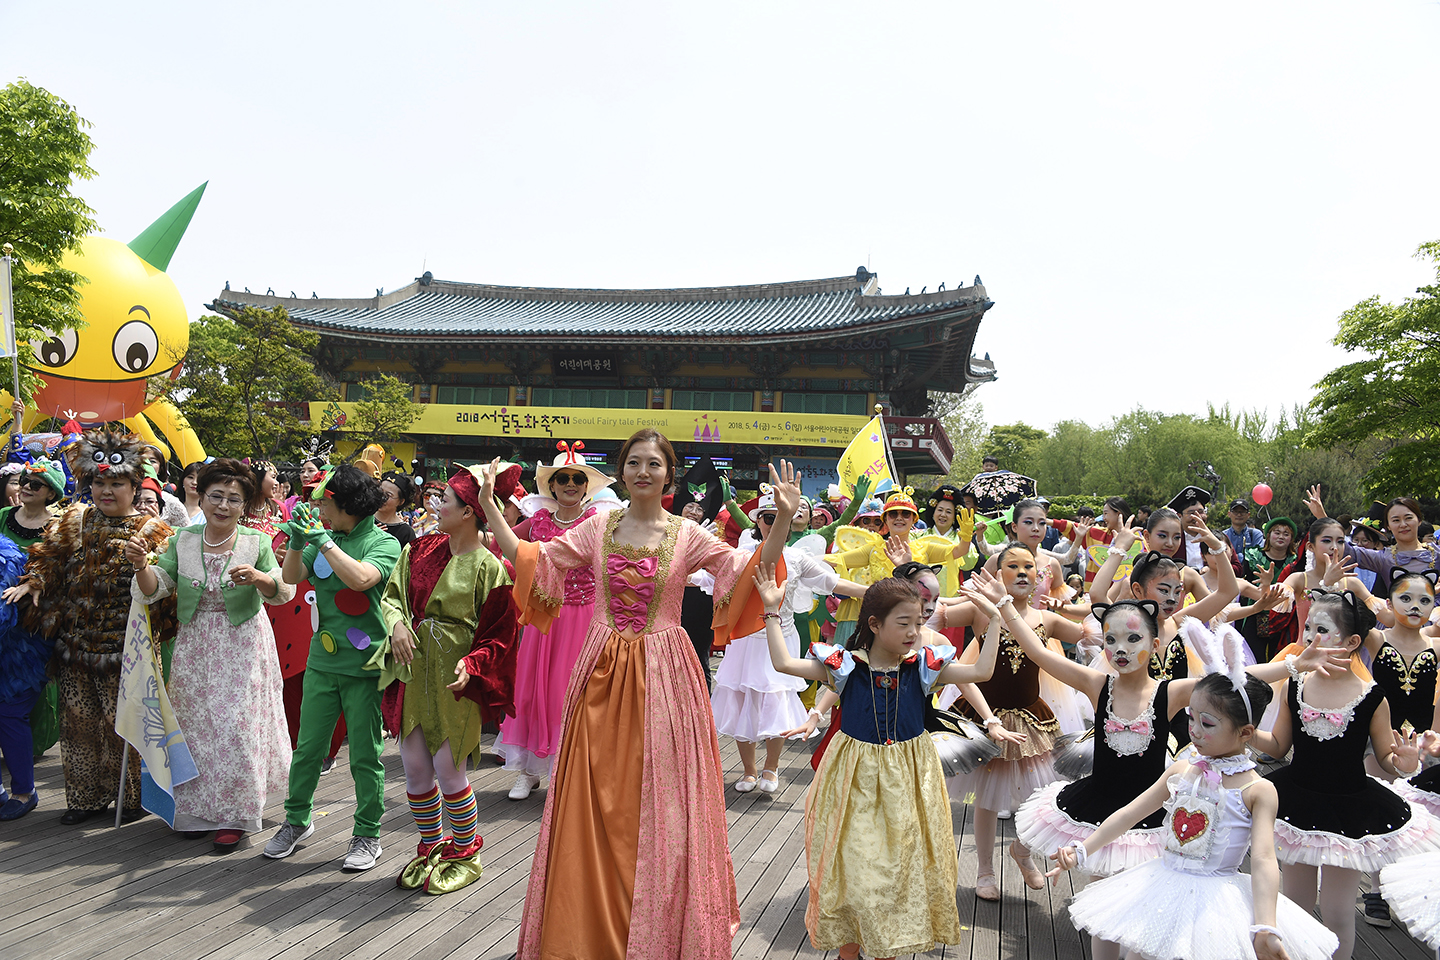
(1150, 698)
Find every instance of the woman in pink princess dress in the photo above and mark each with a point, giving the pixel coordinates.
(633, 858)
(530, 740)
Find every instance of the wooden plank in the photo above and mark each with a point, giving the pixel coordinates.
(95, 893)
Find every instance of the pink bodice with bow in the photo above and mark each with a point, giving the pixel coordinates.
(580, 582)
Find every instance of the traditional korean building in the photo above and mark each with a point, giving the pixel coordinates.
(739, 373)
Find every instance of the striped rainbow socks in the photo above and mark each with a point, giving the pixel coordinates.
(425, 808)
(464, 815)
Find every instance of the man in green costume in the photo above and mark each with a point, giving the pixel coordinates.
(348, 565)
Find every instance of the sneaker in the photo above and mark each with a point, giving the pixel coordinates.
(524, 783)
(327, 765)
(1003, 815)
(1377, 911)
(283, 843)
(363, 853)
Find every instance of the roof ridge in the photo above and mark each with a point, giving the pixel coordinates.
(736, 291)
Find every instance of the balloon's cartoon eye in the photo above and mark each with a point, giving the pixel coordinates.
(58, 349)
(136, 346)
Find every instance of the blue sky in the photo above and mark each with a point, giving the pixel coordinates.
(1166, 203)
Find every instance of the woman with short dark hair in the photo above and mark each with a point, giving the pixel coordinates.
(225, 676)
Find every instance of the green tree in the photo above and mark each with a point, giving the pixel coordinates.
(1015, 445)
(385, 413)
(1392, 394)
(1066, 457)
(44, 151)
(246, 382)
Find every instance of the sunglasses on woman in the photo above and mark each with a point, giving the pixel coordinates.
(767, 518)
(34, 484)
(568, 479)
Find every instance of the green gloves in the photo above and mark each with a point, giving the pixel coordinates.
(306, 527)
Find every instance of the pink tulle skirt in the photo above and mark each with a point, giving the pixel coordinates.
(1003, 784)
(1417, 797)
(1043, 827)
(530, 740)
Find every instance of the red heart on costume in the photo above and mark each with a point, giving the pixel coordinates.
(1188, 825)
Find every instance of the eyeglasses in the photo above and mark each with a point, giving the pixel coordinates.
(766, 518)
(147, 502)
(218, 501)
(566, 479)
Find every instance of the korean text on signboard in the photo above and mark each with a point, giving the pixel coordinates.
(586, 366)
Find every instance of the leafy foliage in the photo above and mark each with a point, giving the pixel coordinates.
(385, 413)
(44, 151)
(246, 383)
(1391, 396)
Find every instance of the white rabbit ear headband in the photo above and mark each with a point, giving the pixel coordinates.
(1224, 653)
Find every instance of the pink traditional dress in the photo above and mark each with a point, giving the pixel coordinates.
(530, 739)
(633, 858)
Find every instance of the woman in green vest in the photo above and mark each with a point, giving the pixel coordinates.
(225, 682)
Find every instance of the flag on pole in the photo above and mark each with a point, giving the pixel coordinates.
(867, 456)
(144, 719)
(7, 305)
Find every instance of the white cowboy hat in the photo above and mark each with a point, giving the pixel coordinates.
(569, 457)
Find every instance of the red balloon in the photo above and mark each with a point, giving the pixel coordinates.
(1262, 494)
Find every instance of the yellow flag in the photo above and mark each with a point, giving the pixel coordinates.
(866, 457)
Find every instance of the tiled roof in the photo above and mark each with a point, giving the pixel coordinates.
(435, 308)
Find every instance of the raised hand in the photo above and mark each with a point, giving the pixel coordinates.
(1325, 661)
(1312, 501)
(863, 484)
(1126, 536)
(1337, 570)
(897, 550)
(771, 593)
(487, 480)
(787, 492)
(965, 525)
(987, 584)
(1406, 758)
(982, 603)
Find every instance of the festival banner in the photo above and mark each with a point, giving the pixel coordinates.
(865, 456)
(605, 423)
(144, 719)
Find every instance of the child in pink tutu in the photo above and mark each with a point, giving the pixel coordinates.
(1334, 821)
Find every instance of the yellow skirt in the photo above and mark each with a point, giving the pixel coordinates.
(880, 849)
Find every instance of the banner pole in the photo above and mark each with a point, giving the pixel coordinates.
(885, 442)
(120, 794)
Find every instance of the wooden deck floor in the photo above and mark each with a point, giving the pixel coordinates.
(142, 891)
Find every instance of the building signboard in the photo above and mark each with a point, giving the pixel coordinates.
(603, 423)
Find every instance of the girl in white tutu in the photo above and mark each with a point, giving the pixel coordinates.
(751, 701)
(1192, 903)
(1335, 821)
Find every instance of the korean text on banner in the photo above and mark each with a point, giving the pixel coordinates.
(144, 719)
(866, 456)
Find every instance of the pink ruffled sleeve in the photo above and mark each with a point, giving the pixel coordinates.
(540, 570)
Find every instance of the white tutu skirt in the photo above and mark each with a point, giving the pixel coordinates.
(1171, 915)
(1412, 888)
(1044, 828)
(1417, 797)
(1003, 784)
(752, 701)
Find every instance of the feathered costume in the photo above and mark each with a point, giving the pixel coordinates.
(81, 581)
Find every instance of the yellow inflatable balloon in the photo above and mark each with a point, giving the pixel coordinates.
(136, 328)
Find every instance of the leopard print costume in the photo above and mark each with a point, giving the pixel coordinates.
(83, 581)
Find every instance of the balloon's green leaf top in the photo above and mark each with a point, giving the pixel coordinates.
(156, 245)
